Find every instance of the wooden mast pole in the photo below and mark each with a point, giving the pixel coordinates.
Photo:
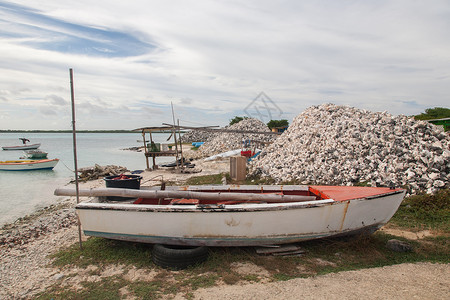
(154, 167)
(74, 136)
(175, 137)
(145, 149)
(181, 145)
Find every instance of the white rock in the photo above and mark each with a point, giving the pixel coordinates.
(434, 176)
(438, 183)
(436, 145)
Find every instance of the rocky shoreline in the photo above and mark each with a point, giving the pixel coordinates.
(39, 224)
(26, 244)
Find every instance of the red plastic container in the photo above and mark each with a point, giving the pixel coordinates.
(247, 153)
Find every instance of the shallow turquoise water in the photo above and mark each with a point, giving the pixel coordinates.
(22, 192)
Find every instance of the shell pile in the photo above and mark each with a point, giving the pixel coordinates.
(222, 142)
(330, 144)
(196, 136)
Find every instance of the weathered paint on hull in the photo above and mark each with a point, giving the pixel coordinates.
(236, 225)
(225, 242)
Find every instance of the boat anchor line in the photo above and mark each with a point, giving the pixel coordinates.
(67, 167)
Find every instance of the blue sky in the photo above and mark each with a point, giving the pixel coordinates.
(211, 59)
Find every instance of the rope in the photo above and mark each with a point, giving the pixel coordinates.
(67, 167)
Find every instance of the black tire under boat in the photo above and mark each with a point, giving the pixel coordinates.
(178, 257)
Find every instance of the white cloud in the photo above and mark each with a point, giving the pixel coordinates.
(214, 57)
(56, 100)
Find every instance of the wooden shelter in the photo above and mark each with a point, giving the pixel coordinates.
(175, 129)
(150, 148)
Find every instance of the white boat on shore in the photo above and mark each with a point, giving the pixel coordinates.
(224, 155)
(234, 215)
(28, 165)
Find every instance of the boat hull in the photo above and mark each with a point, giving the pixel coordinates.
(22, 147)
(35, 154)
(237, 225)
(28, 165)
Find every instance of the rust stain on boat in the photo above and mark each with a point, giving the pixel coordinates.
(344, 215)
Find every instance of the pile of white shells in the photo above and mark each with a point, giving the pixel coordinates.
(224, 141)
(196, 136)
(330, 144)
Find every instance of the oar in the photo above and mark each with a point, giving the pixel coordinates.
(182, 194)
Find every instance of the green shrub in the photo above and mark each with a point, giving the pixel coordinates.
(237, 119)
(277, 123)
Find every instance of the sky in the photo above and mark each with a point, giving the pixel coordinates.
(213, 60)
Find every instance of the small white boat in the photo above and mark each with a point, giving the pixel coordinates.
(235, 215)
(22, 147)
(35, 154)
(224, 154)
(26, 165)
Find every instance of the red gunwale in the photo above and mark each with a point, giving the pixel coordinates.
(344, 193)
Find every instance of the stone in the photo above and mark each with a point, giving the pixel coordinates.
(58, 276)
(438, 184)
(434, 176)
(399, 246)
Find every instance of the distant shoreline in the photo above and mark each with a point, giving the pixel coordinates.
(78, 131)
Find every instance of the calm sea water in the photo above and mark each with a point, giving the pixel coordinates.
(23, 192)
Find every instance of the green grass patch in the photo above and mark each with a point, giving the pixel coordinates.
(98, 251)
(106, 289)
(199, 281)
(208, 179)
(146, 290)
(425, 212)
